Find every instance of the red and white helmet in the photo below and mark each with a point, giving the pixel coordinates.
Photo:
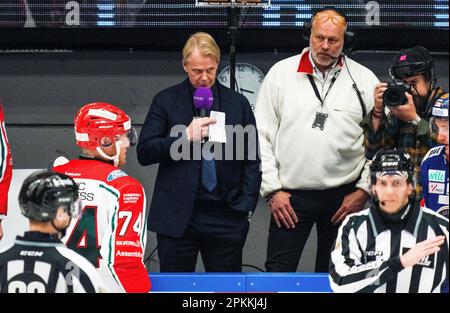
(95, 121)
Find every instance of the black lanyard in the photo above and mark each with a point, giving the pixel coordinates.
(316, 90)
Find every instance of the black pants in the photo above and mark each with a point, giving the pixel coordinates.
(285, 246)
(217, 232)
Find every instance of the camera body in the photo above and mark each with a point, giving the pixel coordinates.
(395, 93)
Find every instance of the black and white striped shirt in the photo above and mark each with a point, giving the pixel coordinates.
(39, 263)
(366, 256)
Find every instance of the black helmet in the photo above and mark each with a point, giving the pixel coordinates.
(391, 161)
(43, 192)
(411, 62)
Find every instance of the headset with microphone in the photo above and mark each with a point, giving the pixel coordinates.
(349, 36)
(349, 45)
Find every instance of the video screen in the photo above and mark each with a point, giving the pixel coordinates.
(185, 14)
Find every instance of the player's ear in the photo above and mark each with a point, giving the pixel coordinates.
(60, 214)
(410, 189)
(372, 189)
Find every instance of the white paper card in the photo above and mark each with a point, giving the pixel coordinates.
(217, 130)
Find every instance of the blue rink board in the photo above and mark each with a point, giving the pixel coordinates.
(240, 282)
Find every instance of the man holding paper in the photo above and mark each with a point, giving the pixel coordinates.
(203, 135)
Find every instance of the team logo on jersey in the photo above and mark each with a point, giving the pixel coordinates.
(436, 176)
(371, 256)
(435, 151)
(31, 253)
(443, 211)
(441, 100)
(116, 174)
(438, 188)
(373, 253)
(443, 199)
(427, 261)
(440, 112)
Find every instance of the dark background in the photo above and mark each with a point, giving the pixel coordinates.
(164, 24)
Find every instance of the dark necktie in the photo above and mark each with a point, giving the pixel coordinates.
(209, 179)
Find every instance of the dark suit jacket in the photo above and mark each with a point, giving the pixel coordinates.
(177, 181)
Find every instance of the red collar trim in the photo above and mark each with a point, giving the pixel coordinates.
(306, 67)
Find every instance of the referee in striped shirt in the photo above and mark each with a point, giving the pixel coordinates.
(394, 246)
(39, 262)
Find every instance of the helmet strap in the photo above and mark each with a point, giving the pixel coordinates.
(114, 158)
(62, 231)
(431, 87)
(421, 102)
(429, 101)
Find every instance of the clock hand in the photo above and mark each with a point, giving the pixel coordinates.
(245, 90)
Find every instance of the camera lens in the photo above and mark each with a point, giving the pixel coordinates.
(393, 97)
(395, 94)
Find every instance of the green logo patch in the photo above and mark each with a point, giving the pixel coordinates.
(437, 176)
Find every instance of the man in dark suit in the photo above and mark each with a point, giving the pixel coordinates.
(200, 205)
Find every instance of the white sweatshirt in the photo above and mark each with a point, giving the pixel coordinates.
(295, 155)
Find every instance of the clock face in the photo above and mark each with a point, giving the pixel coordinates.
(249, 79)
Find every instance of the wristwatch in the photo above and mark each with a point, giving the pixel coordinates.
(416, 121)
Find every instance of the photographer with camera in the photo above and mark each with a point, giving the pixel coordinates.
(409, 99)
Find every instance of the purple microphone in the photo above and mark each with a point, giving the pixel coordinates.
(203, 99)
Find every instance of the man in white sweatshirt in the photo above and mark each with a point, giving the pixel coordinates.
(314, 169)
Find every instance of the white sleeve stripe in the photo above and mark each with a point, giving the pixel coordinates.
(83, 264)
(144, 223)
(359, 275)
(3, 150)
(435, 214)
(360, 284)
(111, 246)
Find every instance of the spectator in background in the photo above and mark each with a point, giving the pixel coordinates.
(405, 126)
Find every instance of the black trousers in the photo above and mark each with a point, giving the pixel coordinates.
(216, 231)
(285, 246)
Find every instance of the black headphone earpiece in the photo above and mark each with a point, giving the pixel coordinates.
(349, 37)
(306, 31)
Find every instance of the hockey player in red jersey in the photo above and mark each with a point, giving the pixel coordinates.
(5, 170)
(111, 233)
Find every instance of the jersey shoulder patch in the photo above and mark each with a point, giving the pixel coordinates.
(115, 175)
(61, 160)
(433, 152)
